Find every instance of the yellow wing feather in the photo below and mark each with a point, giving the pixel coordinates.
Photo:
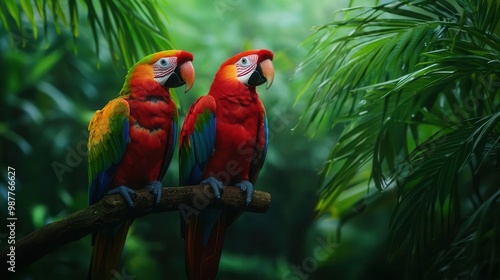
(107, 143)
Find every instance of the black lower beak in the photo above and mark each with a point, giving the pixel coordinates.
(257, 78)
(174, 80)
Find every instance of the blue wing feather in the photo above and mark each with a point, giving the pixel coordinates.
(197, 141)
(100, 180)
(266, 135)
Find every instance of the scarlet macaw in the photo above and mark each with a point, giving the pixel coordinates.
(131, 144)
(223, 142)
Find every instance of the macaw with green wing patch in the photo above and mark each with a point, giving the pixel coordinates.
(131, 144)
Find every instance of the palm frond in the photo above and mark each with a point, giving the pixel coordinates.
(122, 24)
(477, 236)
(414, 85)
(430, 201)
(395, 71)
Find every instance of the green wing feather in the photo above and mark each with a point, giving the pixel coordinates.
(197, 140)
(109, 136)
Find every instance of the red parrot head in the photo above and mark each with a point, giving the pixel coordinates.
(251, 68)
(170, 69)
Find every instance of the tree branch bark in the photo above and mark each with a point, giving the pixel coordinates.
(113, 208)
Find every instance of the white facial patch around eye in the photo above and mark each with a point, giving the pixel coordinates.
(163, 68)
(245, 66)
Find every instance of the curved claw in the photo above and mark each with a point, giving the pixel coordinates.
(126, 193)
(216, 185)
(246, 187)
(155, 188)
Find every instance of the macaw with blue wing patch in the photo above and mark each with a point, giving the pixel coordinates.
(131, 144)
(223, 142)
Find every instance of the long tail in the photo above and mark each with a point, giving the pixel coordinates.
(108, 246)
(204, 237)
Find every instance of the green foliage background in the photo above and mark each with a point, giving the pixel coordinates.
(62, 60)
(51, 85)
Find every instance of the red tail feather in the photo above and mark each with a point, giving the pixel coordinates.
(202, 262)
(108, 247)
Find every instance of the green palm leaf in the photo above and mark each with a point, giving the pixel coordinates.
(122, 24)
(413, 86)
(430, 194)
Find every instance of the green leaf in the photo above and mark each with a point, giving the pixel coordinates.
(14, 12)
(122, 24)
(43, 65)
(39, 215)
(73, 14)
(28, 11)
(392, 75)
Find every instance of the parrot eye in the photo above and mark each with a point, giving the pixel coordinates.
(245, 66)
(163, 62)
(244, 61)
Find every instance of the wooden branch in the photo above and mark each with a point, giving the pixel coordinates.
(113, 208)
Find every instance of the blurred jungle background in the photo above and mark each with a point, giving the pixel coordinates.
(384, 131)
